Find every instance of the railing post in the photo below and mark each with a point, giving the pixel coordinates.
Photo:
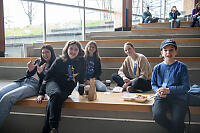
(83, 23)
(2, 34)
(45, 24)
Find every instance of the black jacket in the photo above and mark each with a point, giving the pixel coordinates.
(59, 74)
(177, 13)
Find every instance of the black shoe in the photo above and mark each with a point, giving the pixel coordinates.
(53, 130)
(131, 89)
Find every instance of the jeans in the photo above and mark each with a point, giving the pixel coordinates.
(57, 96)
(137, 83)
(194, 19)
(176, 107)
(150, 19)
(14, 92)
(100, 86)
(147, 19)
(177, 21)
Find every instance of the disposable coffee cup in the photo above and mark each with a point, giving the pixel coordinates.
(86, 88)
(108, 82)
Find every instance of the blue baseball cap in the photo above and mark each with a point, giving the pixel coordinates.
(168, 42)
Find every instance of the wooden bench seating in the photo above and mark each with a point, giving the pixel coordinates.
(112, 102)
(160, 25)
(151, 59)
(182, 22)
(16, 67)
(178, 40)
(156, 59)
(184, 51)
(11, 62)
(105, 102)
(174, 29)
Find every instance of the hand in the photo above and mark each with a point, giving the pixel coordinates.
(126, 80)
(39, 99)
(163, 92)
(30, 66)
(40, 68)
(126, 85)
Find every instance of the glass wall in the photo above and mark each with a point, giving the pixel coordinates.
(99, 4)
(63, 21)
(23, 22)
(69, 2)
(158, 8)
(98, 21)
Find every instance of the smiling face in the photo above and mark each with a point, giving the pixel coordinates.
(169, 52)
(91, 49)
(46, 54)
(129, 50)
(73, 51)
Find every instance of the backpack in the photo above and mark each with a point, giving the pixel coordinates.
(194, 96)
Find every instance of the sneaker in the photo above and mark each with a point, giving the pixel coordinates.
(53, 130)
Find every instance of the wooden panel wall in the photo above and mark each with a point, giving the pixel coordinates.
(2, 35)
(121, 20)
(188, 6)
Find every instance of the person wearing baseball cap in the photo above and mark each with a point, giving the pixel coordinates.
(170, 81)
(168, 42)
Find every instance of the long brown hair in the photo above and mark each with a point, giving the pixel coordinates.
(65, 55)
(196, 6)
(95, 54)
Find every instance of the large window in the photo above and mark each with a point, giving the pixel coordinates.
(63, 23)
(23, 25)
(27, 21)
(69, 2)
(98, 21)
(158, 8)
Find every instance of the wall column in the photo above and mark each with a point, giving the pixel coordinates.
(188, 6)
(2, 35)
(122, 15)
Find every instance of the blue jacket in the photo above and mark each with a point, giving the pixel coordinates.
(176, 77)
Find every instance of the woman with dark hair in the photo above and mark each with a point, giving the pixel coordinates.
(60, 81)
(196, 15)
(27, 86)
